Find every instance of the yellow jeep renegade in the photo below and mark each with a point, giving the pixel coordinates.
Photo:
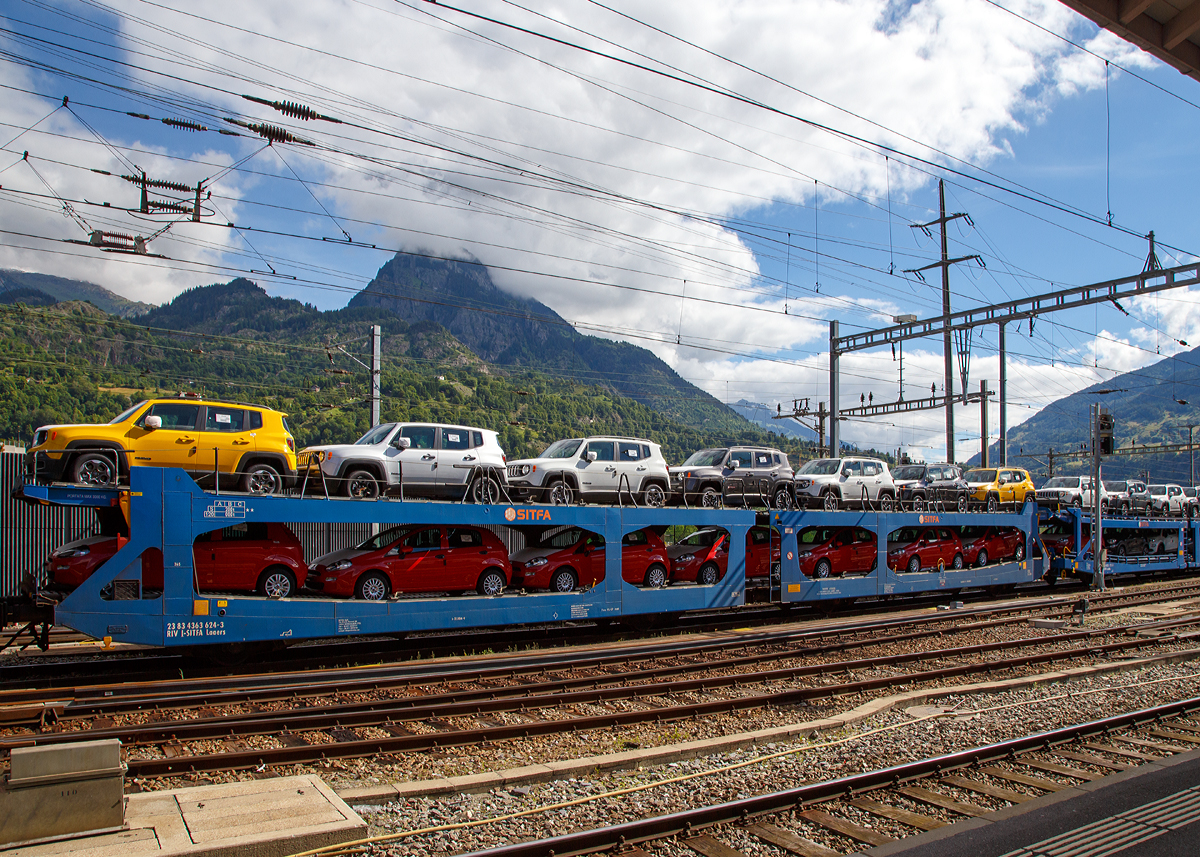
(246, 445)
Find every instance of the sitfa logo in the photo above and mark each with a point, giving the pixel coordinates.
(511, 514)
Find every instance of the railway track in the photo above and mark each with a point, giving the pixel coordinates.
(356, 715)
(846, 814)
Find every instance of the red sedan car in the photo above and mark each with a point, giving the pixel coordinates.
(703, 556)
(561, 560)
(248, 557)
(981, 545)
(1058, 536)
(835, 550)
(913, 548)
(415, 558)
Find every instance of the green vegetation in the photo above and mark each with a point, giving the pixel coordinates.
(75, 363)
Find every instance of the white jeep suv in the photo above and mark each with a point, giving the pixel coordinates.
(423, 459)
(597, 469)
(831, 483)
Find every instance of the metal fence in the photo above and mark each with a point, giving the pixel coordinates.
(29, 533)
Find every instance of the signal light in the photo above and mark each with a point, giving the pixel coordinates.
(1104, 430)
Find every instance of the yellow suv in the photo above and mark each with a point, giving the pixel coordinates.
(246, 445)
(994, 487)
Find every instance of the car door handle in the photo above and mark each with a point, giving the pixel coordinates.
(641, 467)
(240, 442)
(610, 469)
(468, 458)
(428, 457)
(186, 440)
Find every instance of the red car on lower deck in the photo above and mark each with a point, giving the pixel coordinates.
(415, 558)
(703, 556)
(247, 557)
(982, 545)
(826, 551)
(912, 549)
(560, 561)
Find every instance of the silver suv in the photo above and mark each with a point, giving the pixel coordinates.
(830, 483)
(1062, 491)
(734, 474)
(421, 459)
(597, 469)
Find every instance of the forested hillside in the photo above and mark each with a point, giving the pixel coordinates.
(75, 363)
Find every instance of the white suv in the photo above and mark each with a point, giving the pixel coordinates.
(596, 469)
(424, 459)
(830, 483)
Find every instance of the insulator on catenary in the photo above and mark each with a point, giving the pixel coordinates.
(291, 108)
(185, 124)
(159, 183)
(270, 133)
(170, 206)
(137, 115)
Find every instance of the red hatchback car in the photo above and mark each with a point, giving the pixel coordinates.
(982, 545)
(561, 560)
(703, 556)
(415, 558)
(835, 550)
(247, 557)
(914, 548)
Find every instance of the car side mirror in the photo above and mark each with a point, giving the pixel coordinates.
(396, 551)
(402, 443)
(152, 422)
(845, 471)
(734, 464)
(590, 455)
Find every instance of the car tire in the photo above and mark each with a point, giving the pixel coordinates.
(957, 562)
(485, 490)
(708, 574)
(1020, 553)
(559, 493)
(491, 583)
(829, 501)
(1125, 510)
(886, 503)
(654, 497)
(1077, 503)
(822, 570)
(962, 503)
(982, 559)
(563, 581)
(993, 503)
(95, 468)
(361, 485)
(710, 498)
(261, 478)
(656, 577)
(918, 503)
(373, 586)
(914, 565)
(782, 500)
(276, 582)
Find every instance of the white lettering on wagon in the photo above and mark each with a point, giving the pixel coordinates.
(226, 509)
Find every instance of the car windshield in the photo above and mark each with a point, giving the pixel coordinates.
(562, 449)
(821, 467)
(910, 471)
(705, 458)
(981, 476)
(385, 538)
(376, 435)
(1158, 489)
(126, 414)
(1113, 486)
(701, 538)
(1062, 482)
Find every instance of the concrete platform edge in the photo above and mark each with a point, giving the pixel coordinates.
(633, 759)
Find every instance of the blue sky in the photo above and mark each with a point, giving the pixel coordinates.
(637, 205)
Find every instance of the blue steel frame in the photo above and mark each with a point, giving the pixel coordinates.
(1082, 563)
(167, 510)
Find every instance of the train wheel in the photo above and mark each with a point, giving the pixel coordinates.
(373, 586)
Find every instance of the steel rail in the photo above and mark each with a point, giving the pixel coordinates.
(689, 821)
(239, 759)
